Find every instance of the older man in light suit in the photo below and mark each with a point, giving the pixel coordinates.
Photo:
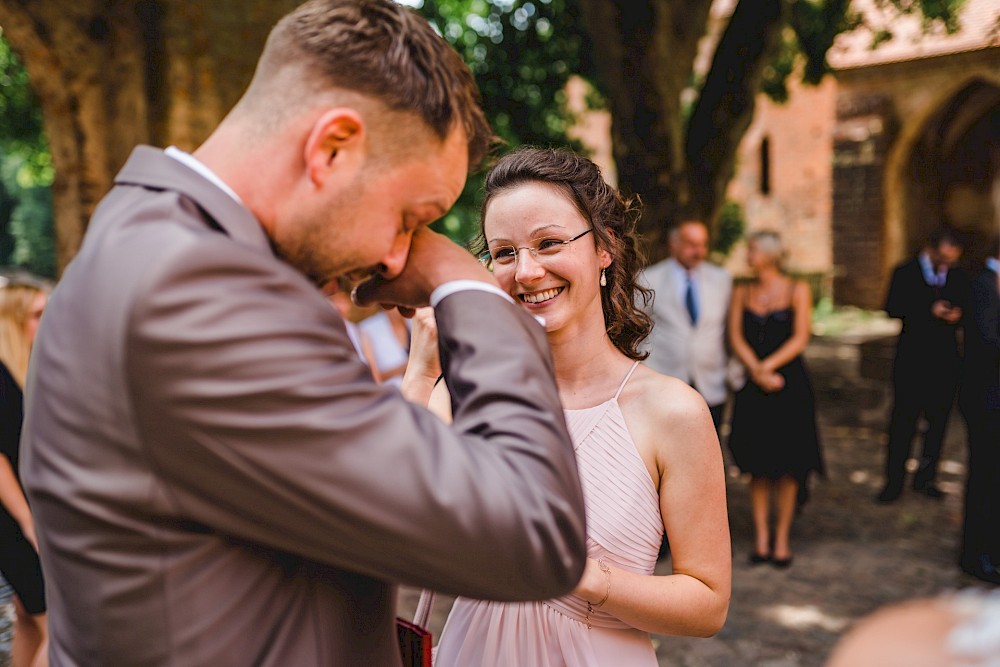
(216, 479)
(689, 306)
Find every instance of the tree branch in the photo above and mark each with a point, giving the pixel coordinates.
(725, 107)
(646, 52)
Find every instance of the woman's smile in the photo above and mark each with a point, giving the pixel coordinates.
(540, 297)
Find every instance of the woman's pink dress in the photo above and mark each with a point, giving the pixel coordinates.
(624, 527)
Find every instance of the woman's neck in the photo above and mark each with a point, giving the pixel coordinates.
(767, 275)
(586, 364)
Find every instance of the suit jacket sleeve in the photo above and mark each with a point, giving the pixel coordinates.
(909, 298)
(265, 427)
(985, 312)
(899, 301)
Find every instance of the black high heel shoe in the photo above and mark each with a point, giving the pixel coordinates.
(782, 563)
(758, 559)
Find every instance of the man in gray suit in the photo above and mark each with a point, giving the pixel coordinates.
(215, 477)
(689, 309)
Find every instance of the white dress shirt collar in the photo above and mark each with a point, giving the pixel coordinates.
(197, 165)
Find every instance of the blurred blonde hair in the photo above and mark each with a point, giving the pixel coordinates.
(769, 243)
(16, 299)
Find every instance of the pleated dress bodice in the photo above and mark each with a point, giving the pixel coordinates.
(624, 528)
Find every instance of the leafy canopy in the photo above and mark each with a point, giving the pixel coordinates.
(522, 53)
(26, 173)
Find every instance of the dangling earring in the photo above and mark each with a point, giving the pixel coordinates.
(604, 278)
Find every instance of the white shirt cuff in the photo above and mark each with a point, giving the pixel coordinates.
(452, 286)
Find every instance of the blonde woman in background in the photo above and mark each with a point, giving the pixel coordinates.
(773, 434)
(21, 305)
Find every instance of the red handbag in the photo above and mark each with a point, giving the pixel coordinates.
(415, 641)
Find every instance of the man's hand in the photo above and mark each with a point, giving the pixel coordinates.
(433, 261)
(943, 310)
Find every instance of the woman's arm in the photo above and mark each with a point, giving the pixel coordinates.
(694, 600)
(422, 383)
(424, 366)
(12, 499)
(801, 330)
(737, 343)
(763, 377)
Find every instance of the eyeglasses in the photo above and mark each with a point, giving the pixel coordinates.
(506, 255)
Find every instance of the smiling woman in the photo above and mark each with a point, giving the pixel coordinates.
(561, 242)
(583, 202)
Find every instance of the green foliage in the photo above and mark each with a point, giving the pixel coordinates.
(522, 53)
(27, 238)
(814, 24)
(730, 228)
(21, 132)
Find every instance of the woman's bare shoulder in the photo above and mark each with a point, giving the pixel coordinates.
(663, 397)
(669, 420)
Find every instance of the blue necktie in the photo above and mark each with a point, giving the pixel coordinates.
(690, 302)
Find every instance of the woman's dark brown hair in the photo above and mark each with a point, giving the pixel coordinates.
(613, 218)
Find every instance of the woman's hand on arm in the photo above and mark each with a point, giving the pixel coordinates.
(424, 366)
(764, 378)
(422, 382)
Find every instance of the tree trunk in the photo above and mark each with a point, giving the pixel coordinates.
(725, 106)
(111, 74)
(645, 53)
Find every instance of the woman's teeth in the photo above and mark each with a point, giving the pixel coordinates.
(538, 297)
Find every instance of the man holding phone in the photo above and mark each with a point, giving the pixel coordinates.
(928, 293)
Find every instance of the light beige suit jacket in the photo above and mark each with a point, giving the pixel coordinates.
(216, 480)
(696, 353)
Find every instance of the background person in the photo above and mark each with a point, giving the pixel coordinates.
(980, 402)
(561, 241)
(21, 306)
(216, 477)
(960, 629)
(773, 436)
(385, 342)
(928, 293)
(689, 310)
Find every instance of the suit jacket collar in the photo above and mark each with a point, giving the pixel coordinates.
(151, 168)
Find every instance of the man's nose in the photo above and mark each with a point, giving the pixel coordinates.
(393, 262)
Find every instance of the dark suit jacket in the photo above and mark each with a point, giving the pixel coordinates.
(981, 383)
(217, 480)
(924, 339)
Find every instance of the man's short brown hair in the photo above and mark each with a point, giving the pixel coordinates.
(389, 52)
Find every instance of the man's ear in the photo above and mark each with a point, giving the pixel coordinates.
(335, 143)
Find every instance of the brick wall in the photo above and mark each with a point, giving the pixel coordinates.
(798, 203)
(862, 134)
(849, 192)
(915, 97)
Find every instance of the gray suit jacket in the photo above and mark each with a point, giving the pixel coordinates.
(695, 354)
(216, 479)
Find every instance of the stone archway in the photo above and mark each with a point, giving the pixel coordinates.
(111, 74)
(941, 172)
